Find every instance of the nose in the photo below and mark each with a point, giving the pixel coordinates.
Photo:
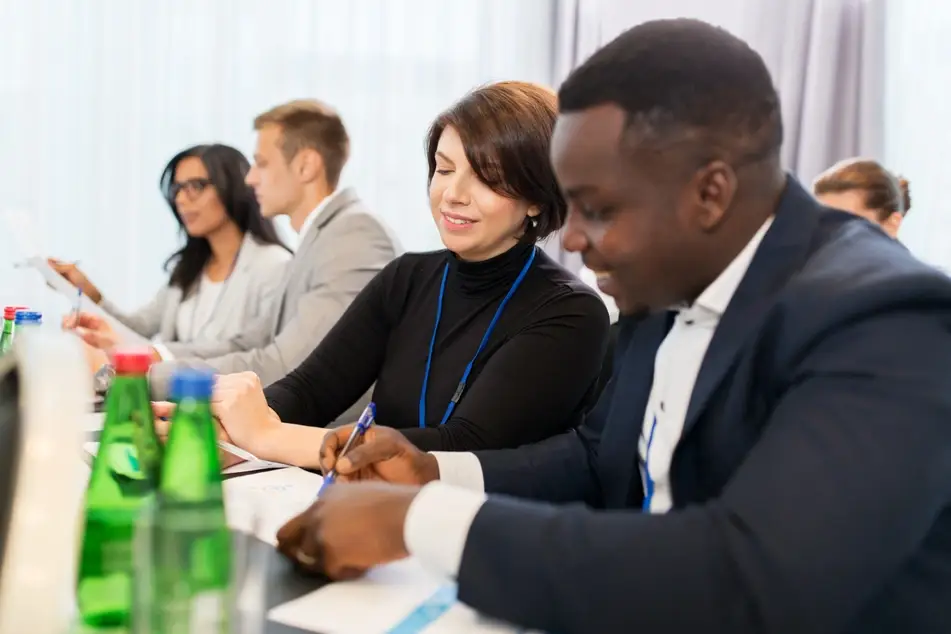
(456, 191)
(251, 179)
(573, 237)
(180, 197)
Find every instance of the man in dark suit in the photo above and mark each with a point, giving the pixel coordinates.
(773, 453)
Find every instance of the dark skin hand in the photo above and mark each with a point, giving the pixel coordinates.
(381, 454)
(358, 521)
(350, 529)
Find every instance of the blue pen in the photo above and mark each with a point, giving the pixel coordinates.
(366, 419)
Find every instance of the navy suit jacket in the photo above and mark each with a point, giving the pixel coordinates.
(812, 482)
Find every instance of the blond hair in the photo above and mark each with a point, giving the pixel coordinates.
(308, 123)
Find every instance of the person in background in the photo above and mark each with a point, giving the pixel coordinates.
(302, 148)
(773, 453)
(486, 344)
(225, 275)
(864, 188)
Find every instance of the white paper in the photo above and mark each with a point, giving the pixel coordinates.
(375, 603)
(92, 422)
(263, 502)
(126, 335)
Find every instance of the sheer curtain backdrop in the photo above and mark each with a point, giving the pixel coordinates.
(826, 58)
(917, 115)
(97, 96)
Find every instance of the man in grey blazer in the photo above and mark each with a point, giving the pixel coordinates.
(302, 147)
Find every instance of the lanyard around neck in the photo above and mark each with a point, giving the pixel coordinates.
(457, 395)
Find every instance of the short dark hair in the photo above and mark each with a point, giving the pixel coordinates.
(684, 80)
(884, 192)
(506, 131)
(227, 168)
(308, 123)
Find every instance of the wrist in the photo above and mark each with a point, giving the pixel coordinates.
(401, 503)
(94, 295)
(268, 442)
(428, 468)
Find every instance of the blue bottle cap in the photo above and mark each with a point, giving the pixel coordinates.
(28, 317)
(192, 383)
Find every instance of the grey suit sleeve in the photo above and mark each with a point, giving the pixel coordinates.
(147, 320)
(358, 248)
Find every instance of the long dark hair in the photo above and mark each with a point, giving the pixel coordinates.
(227, 168)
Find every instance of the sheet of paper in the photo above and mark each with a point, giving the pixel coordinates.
(394, 591)
(92, 422)
(60, 285)
(263, 502)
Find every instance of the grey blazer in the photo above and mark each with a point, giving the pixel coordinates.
(250, 290)
(343, 250)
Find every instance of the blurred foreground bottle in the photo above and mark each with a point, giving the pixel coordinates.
(124, 477)
(6, 338)
(192, 556)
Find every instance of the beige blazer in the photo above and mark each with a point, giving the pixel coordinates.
(250, 292)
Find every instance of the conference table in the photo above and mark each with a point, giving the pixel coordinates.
(275, 598)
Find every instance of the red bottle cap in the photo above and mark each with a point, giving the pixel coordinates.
(133, 361)
(10, 312)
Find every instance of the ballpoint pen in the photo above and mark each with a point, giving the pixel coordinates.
(366, 419)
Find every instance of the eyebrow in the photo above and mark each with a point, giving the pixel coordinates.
(443, 157)
(578, 190)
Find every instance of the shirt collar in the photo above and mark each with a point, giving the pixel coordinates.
(716, 297)
(313, 215)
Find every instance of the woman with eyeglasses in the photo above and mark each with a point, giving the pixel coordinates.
(228, 271)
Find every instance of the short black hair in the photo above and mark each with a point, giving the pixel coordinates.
(684, 79)
(506, 130)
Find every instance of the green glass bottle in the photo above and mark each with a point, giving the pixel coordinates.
(192, 541)
(6, 338)
(125, 475)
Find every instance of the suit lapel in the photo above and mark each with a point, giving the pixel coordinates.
(781, 253)
(634, 380)
(233, 289)
(300, 264)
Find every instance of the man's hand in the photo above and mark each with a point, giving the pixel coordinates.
(350, 529)
(239, 404)
(381, 454)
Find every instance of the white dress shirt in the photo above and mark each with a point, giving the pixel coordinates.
(438, 521)
(313, 215)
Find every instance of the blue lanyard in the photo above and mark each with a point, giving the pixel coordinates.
(485, 338)
(648, 481)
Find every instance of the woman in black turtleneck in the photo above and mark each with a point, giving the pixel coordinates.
(417, 326)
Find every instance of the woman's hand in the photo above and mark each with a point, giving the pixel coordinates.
(93, 329)
(76, 277)
(164, 411)
(239, 404)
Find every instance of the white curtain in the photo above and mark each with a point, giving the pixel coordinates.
(97, 96)
(826, 58)
(917, 115)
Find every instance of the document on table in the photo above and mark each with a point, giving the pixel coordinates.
(262, 503)
(233, 459)
(398, 598)
(60, 285)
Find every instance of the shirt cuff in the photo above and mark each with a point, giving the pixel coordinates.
(163, 352)
(437, 525)
(461, 469)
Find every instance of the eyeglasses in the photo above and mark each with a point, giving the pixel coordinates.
(193, 188)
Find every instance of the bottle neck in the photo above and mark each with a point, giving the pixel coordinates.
(7, 326)
(192, 470)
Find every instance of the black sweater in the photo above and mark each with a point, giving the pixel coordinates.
(536, 376)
